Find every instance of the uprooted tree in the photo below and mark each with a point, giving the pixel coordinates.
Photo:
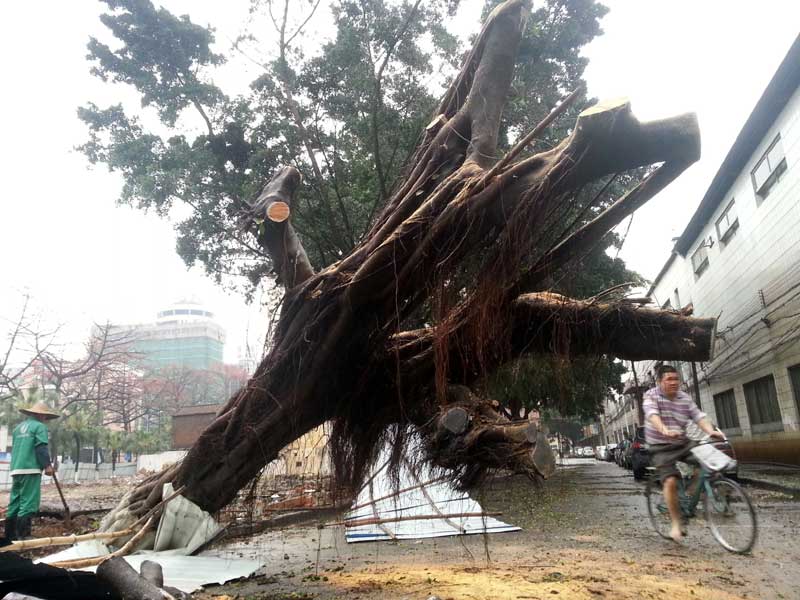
(449, 284)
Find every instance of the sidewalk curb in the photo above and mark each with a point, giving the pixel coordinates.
(770, 487)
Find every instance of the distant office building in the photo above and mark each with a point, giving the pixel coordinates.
(184, 335)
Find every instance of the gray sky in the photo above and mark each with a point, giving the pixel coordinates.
(84, 259)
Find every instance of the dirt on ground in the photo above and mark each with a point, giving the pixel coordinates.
(585, 534)
(94, 495)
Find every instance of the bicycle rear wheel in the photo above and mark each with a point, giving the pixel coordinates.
(730, 516)
(657, 508)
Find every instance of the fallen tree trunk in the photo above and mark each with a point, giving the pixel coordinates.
(347, 346)
(127, 583)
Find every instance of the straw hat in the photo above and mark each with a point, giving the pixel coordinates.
(41, 409)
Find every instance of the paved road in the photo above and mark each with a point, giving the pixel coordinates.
(585, 535)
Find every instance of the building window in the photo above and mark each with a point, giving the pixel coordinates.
(725, 407)
(794, 377)
(728, 223)
(762, 405)
(700, 259)
(769, 168)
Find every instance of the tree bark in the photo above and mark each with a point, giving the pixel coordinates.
(126, 582)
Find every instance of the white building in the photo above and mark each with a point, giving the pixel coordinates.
(739, 260)
(619, 419)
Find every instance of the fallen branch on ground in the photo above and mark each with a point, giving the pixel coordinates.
(359, 522)
(96, 560)
(66, 540)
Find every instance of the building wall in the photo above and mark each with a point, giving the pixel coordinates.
(619, 419)
(752, 284)
(187, 428)
(181, 337)
(308, 455)
(192, 352)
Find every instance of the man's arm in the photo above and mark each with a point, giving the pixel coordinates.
(43, 458)
(655, 419)
(708, 428)
(700, 419)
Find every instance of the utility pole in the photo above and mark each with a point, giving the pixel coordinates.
(695, 385)
(638, 396)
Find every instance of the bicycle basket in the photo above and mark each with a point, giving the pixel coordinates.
(711, 458)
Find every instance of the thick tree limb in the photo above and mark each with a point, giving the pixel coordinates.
(560, 325)
(549, 323)
(270, 213)
(123, 579)
(479, 92)
(489, 90)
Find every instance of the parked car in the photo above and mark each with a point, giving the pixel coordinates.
(601, 452)
(637, 455)
(611, 451)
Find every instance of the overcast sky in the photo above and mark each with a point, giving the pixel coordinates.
(84, 259)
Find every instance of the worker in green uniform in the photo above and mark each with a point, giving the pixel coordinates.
(29, 457)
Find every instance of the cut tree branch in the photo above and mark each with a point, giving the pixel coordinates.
(270, 213)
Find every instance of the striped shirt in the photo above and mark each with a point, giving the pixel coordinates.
(675, 414)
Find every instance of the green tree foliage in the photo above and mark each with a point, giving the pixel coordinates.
(346, 113)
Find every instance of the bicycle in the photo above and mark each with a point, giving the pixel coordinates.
(728, 511)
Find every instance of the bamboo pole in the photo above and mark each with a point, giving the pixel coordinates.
(96, 560)
(358, 522)
(401, 491)
(65, 540)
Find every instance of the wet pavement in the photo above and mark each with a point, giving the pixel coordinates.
(586, 534)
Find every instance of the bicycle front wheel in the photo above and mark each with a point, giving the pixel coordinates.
(657, 508)
(731, 516)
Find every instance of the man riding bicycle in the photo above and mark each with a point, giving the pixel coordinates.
(667, 412)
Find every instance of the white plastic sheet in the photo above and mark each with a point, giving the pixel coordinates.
(429, 508)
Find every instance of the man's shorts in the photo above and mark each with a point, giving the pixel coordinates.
(664, 457)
